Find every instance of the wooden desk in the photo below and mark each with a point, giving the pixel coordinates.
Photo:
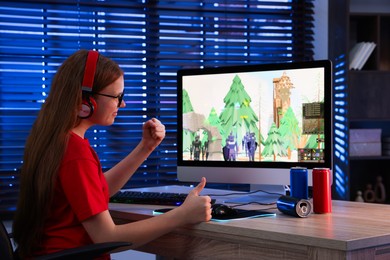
(352, 231)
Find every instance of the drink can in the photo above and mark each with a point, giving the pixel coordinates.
(293, 206)
(322, 194)
(299, 183)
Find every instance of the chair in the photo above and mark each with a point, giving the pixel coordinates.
(84, 252)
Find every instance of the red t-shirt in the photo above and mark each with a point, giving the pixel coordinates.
(81, 192)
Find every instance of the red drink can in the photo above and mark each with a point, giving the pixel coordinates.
(322, 194)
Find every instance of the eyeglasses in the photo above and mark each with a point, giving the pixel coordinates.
(119, 97)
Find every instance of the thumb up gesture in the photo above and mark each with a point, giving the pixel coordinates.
(197, 208)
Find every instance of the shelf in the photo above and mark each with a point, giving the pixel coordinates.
(369, 158)
(369, 6)
(376, 73)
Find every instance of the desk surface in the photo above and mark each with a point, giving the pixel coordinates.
(350, 226)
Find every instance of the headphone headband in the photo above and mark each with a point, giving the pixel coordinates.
(89, 71)
(88, 103)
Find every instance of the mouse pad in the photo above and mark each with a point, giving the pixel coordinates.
(241, 214)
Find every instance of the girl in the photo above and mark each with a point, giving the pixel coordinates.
(64, 194)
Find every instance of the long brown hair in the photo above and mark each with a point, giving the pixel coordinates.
(47, 143)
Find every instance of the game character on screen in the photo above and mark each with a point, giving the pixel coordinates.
(195, 148)
(252, 146)
(245, 141)
(233, 147)
(205, 150)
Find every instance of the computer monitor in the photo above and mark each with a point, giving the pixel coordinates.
(251, 123)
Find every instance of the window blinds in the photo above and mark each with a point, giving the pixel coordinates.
(150, 40)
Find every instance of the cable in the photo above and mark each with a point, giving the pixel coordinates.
(270, 208)
(253, 202)
(246, 193)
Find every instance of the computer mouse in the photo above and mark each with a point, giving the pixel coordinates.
(222, 211)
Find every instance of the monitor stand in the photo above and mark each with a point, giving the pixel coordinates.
(266, 194)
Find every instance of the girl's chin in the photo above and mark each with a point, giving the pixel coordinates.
(108, 122)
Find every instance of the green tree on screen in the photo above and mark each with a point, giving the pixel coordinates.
(274, 145)
(188, 136)
(290, 131)
(213, 120)
(238, 117)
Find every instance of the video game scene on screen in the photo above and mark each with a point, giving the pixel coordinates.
(261, 116)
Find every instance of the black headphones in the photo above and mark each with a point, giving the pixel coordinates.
(88, 104)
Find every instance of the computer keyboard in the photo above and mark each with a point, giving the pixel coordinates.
(150, 198)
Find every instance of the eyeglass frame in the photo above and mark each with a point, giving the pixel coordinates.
(119, 97)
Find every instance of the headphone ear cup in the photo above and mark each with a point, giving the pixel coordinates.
(88, 106)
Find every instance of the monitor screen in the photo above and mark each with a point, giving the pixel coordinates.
(252, 123)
